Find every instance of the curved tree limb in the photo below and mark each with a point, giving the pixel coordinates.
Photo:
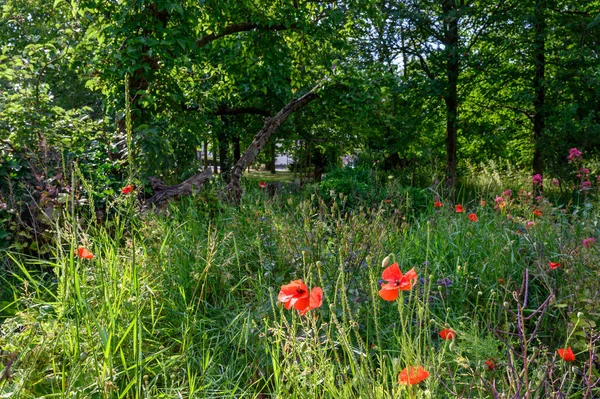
(239, 27)
(234, 189)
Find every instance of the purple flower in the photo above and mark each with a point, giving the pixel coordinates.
(444, 282)
(588, 242)
(537, 179)
(586, 184)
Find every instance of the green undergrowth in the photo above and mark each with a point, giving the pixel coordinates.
(182, 302)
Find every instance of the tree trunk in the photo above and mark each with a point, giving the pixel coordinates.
(539, 57)
(234, 190)
(224, 155)
(272, 158)
(450, 41)
(214, 152)
(236, 148)
(205, 154)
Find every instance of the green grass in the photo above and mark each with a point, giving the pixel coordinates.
(183, 302)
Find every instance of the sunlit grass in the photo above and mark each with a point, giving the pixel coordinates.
(183, 302)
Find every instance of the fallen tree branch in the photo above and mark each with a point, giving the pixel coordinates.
(163, 193)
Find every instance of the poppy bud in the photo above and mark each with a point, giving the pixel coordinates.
(386, 261)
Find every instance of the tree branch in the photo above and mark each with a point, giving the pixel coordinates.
(240, 27)
(234, 189)
(242, 111)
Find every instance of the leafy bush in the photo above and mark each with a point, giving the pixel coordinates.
(357, 184)
(362, 186)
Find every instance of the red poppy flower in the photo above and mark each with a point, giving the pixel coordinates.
(437, 204)
(83, 253)
(567, 354)
(387, 201)
(459, 208)
(491, 364)
(554, 265)
(482, 203)
(315, 300)
(412, 375)
(537, 212)
(396, 282)
(447, 334)
(262, 184)
(293, 292)
(473, 217)
(127, 189)
(296, 295)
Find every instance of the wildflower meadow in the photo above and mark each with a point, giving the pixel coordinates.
(295, 297)
(299, 199)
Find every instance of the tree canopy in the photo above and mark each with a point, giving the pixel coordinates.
(419, 82)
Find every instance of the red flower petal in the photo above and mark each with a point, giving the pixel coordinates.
(292, 292)
(459, 208)
(491, 364)
(316, 298)
(554, 265)
(388, 295)
(473, 217)
(83, 253)
(301, 304)
(447, 334)
(412, 375)
(567, 354)
(408, 280)
(392, 273)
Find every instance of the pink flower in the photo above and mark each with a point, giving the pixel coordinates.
(500, 203)
(537, 179)
(506, 194)
(555, 182)
(586, 184)
(574, 154)
(530, 224)
(585, 171)
(588, 242)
